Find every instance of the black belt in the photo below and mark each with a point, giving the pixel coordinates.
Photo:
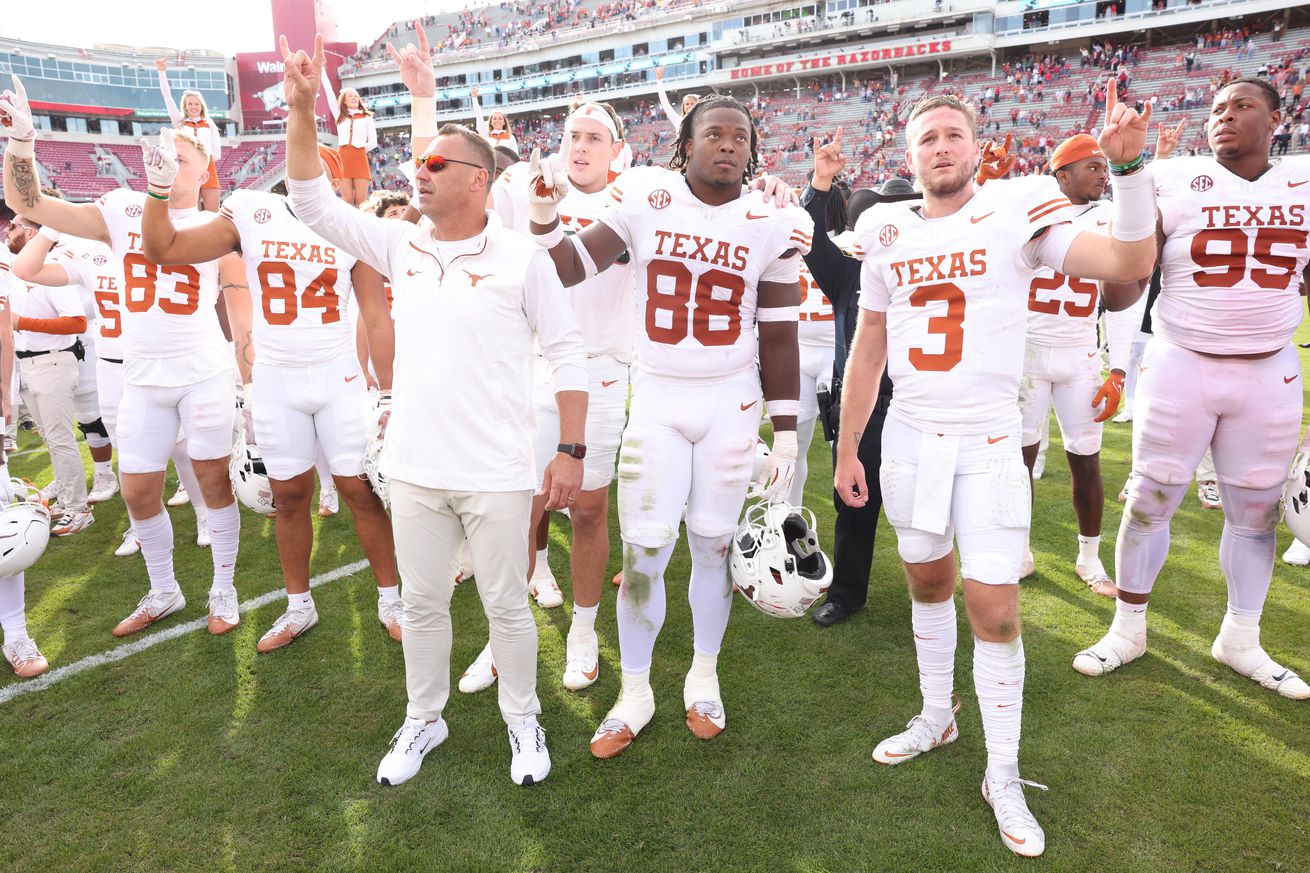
(112, 360)
(46, 352)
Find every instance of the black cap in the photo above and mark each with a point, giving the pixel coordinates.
(895, 189)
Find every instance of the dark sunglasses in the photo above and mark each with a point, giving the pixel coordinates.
(437, 163)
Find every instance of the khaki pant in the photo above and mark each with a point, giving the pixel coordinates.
(430, 525)
(47, 383)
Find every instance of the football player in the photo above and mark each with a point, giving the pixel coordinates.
(1062, 363)
(603, 306)
(178, 367)
(294, 331)
(712, 261)
(1220, 371)
(942, 309)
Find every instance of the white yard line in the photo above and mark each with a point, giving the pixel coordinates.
(45, 680)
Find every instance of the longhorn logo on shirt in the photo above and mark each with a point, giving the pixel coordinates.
(100, 260)
(132, 211)
(1202, 183)
(659, 198)
(263, 216)
(888, 234)
(474, 278)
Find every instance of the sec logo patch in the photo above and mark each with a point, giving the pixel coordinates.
(888, 234)
(659, 198)
(132, 211)
(100, 260)
(1202, 183)
(263, 216)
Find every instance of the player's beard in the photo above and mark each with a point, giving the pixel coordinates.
(948, 187)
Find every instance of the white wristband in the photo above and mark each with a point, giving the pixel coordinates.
(550, 238)
(423, 116)
(589, 270)
(1134, 207)
(782, 407)
(247, 394)
(21, 148)
(49, 233)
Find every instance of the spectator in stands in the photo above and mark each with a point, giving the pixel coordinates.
(194, 118)
(496, 127)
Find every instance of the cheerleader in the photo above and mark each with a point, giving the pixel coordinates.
(194, 118)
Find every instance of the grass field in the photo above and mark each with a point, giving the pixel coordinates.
(198, 754)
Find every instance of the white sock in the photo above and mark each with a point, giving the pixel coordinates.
(300, 601)
(998, 670)
(584, 620)
(104, 468)
(541, 567)
(224, 535)
(934, 647)
(636, 703)
(13, 615)
(1240, 631)
(389, 592)
(1089, 548)
(704, 666)
(1129, 619)
(156, 538)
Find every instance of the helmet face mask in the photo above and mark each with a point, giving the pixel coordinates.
(372, 468)
(250, 479)
(775, 560)
(1296, 498)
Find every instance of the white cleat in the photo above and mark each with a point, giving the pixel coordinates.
(154, 606)
(130, 545)
(480, 674)
(180, 497)
(1208, 494)
(327, 502)
(1029, 565)
(1255, 664)
(704, 704)
(632, 712)
(1019, 830)
(582, 662)
(288, 628)
(1093, 573)
(529, 760)
(202, 533)
(1111, 653)
(103, 487)
(1039, 465)
(223, 615)
(920, 735)
(391, 612)
(409, 747)
(1297, 554)
(544, 588)
(1125, 415)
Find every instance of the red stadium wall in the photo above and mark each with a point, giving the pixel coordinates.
(259, 74)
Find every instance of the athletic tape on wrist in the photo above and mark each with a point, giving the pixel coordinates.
(1134, 207)
(21, 148)
(423, 116)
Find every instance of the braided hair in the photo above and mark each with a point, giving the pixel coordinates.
(718, 101)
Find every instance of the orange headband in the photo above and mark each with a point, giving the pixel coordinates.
(1075, 148)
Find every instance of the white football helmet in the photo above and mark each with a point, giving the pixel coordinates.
(373, 467)
(24, 527)
(250, 479)
(761, 455)
(1296, 497)
(776, 562)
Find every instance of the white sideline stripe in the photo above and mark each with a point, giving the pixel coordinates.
(119, 653)
(37, 451)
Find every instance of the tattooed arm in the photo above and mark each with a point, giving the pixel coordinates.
(236, 297)
(23, 194)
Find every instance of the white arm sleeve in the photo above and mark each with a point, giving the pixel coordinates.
(367, 237)
(550, 313)
(170, 104)
(673, 115)
(478, 121)
(215, 142)
(371, 137)
(331, 99)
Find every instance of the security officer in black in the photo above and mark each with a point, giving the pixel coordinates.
(838, 276)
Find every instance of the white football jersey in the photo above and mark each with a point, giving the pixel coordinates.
(300, 283)
(816, 327)
(171, 335)
(603, 305)
(698, 270)
(955, 291)
(1233, 254)
(1062, 309)
(99, 276)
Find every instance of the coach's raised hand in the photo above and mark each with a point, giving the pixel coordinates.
(16, 121)
(1123, 137)
(302, 74)
(415, 66)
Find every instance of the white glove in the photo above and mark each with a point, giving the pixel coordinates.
(779, 468)
(548, 183)
(16, 121)
(160, 160)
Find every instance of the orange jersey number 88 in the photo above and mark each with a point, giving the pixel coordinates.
(672, 295)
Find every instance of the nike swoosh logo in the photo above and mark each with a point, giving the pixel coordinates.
(746, 406)
(898, 755)
(594, 671)
(1013, 839)
(1297, 184)
(1091, 354)
(977, 218)
(991, 441)
(1288, 380)
(750, 216)
(604, 384)
(352, 378)
(1280, 677)
(1102, 223)
(919, 637)
(412, 272)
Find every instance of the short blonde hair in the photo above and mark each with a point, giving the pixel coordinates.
(188, 137)
(950, 101)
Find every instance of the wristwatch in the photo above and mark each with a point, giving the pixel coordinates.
(573, 450)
